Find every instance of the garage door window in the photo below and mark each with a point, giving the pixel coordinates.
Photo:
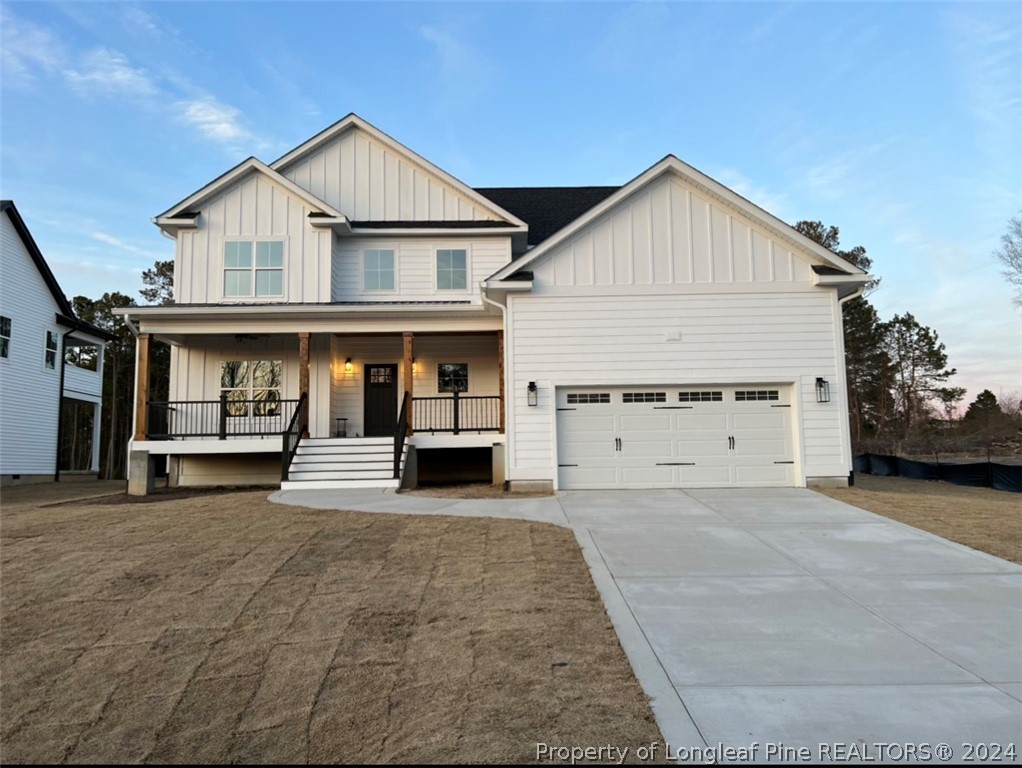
(589, 398)
(701, 397)
(644, 397)
(746, 395)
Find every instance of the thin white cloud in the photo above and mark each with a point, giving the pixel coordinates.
(116, 242)
(214, 119)
(26, 50)
(108, 73)
(770, 201)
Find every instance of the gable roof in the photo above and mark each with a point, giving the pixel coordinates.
(546, 209)
(352, 121)
(183, 210)
(708, 186)
(66, 314)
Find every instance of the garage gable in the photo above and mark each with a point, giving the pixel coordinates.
(675, 226)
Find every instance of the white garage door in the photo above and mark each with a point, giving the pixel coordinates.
(675, 437)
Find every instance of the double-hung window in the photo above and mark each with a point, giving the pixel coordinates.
(254, 269)
(5, 336)
(51, 350)
(253, 387)
(452, 377)
(378, 272)
(451, 269)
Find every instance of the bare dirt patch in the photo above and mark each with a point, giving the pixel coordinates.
(981, 518)
(474, 491)
(222, 628)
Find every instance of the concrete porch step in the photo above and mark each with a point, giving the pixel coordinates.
(334, 464)
(326, 485)
(305, 449)
(298, 474)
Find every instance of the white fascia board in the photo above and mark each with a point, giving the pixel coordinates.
(354, 121)
(507, 285)
(435, 231)
(845, 284)
(251, 165)
(707, 185)
(178, 312)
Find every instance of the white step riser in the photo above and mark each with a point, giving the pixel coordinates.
(372, 474)
(326, 485)
(350, 441)
(338, 450)
(341, 466)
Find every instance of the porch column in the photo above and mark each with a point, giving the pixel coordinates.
(303, 375)
(145, 347)
(409, 339)
(500, 375)
(97, 412)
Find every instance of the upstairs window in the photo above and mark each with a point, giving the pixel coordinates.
(254, 269)
(5, 336)
(452, 269)
(51, 350)
(378, 270)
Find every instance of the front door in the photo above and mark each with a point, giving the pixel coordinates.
(380, 399)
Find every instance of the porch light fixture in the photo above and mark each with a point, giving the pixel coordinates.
(822, 390)
(347, 365)
(415, 366)
(532, 393)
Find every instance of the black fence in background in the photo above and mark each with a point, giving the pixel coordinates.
(986, 474)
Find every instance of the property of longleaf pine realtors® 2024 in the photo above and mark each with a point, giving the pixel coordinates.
(771, 752)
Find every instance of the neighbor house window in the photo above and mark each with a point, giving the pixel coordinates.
(452, 269)
(85, 356)
(5, 336)
(51, 349)
(254, 269)
(452, 377)
(378, 270)
(253, 387)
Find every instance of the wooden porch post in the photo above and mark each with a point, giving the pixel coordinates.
(409, 349)
(500, 375)
(303, 375)
(145, 346)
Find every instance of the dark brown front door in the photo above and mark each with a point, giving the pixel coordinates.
(380, 399)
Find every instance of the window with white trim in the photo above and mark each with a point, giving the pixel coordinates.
(5, 336)
(746, 395)
(452, 377)
(253, 387)
(451, 269)
(50, 360)
(253, 269)
(644, 397)
(378, 273)
(705, 396)
(589, 398)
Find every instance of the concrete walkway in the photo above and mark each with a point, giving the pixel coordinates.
(783, 617)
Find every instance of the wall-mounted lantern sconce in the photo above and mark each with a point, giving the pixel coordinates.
(533, 394)
(347, 365)
(822, 390)
(415, 366)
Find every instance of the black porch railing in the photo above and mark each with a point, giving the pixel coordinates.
(220, 419)
(297, 427)
(456, 413)
(400, 434)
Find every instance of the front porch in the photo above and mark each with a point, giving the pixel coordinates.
(246, 394)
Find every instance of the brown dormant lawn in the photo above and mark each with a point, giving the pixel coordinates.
(981, 518)
(220, 627)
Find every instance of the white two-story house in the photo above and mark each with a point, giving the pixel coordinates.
(51, 367)
(351, 306)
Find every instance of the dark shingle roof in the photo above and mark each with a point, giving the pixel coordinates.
(546, 209)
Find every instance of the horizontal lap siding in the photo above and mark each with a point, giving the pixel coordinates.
(30, 391)
(724, 338)
(415, 262)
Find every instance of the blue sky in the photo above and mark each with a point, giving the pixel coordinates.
(897, 122)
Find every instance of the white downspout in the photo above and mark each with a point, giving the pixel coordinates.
(508, 396)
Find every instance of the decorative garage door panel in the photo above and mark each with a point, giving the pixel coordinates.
(675, 437)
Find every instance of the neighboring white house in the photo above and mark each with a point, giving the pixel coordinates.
(48, 358)
(666, 333)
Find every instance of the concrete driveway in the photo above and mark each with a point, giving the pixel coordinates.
(782, 617)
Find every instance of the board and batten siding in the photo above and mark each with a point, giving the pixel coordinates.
(30, 395)
(479, 351)
(415, 264)
(255, 207)
(670, 287)
(367, 181)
